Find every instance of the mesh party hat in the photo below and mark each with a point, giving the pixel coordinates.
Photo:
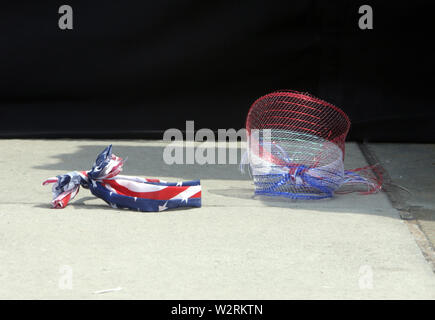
(296, 148)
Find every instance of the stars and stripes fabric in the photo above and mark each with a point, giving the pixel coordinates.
(120, 191)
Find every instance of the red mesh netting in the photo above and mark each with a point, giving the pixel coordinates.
(299, 112)
(296, 147)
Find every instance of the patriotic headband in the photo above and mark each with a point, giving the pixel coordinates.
(296, 148)
(119, 191)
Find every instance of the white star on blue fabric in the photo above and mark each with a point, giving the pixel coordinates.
(184, 198)
(164, 207)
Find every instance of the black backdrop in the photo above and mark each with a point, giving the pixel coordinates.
(136, 68)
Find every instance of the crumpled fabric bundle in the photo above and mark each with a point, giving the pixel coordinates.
(296, 148)
(119, 191)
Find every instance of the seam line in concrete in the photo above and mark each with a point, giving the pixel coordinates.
(405, 211)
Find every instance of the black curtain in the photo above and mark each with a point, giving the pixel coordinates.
(136, 68)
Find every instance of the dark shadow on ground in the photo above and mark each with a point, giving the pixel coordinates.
(348, 203)
(80, 203)
(147, 161)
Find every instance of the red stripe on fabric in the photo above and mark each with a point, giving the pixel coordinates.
(49, 181)
(164, 194)
(62, 203)
(114, 190)
(196, 195)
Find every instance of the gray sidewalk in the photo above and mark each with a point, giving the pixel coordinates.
(411, 168)
(234, 247)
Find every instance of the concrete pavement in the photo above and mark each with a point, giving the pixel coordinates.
(412, 171)
(234, 247)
